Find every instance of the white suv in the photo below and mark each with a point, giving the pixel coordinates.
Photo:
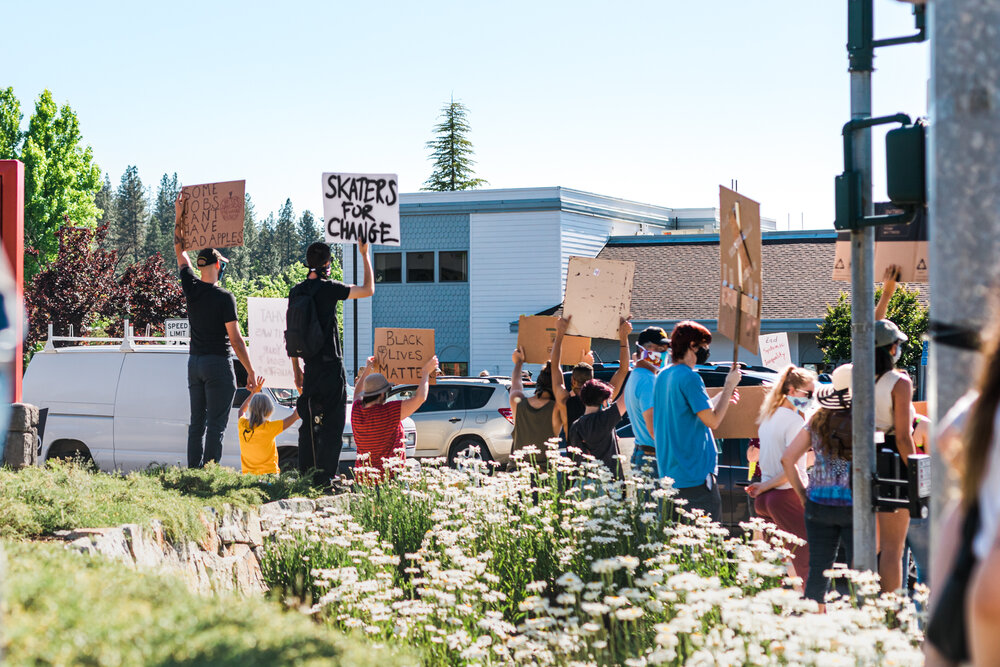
(126, 406)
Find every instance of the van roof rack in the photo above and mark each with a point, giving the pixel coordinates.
(127, 342)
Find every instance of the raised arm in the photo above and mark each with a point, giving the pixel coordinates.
(368, 288)
(413, 403)
(714, 416)
(558, 381)
(290, 419)
(362, 374)
(254, 388)
(620, 404)
(296, 373)
(892, 273)
(902, 404)
(796, 450)
(618, 379)
(516, 385)
(182, 258)
(240, 348)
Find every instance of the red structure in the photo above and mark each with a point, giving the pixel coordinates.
(12, 237)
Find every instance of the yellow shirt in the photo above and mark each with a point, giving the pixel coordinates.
(258, 453)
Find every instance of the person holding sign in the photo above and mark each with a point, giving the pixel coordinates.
(377, 425)
(584, 373)
(684, 417)
(654, 350)
(537, 418)
(322, 384)
(213, 327)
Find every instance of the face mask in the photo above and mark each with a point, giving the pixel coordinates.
(658, 359)
(321, 271)
(701, 355)
(801, 402)
(222, 269)
(898, 354)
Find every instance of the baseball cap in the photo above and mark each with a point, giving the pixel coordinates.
(887, 333)
(837, 395)
(208, 257)
(374, 385)
(654, 335)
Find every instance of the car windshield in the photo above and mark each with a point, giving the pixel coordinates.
(286, 397)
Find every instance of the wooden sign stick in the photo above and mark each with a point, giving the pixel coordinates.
(739, 289)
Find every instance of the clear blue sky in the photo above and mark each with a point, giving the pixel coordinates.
(655, 101)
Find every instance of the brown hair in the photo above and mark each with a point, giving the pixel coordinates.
(792, 377)
(595, 392)
(582, 373)
(833, 429)
(683, 335)
(979, 431)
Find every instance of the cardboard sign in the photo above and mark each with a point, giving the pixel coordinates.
(361, 208)
(213, 215)
(598, 296)
(739, 250)
(266, 329)
(775, 352)
(906, 246)
(400, 354)
(741, 419)
(537, 333)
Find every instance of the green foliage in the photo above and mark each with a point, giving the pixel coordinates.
(64, 608)
(128, 234)
(10, 124)
(160, 230)
(452, 152)
(286, 236)
(61, 496)
(904, 310)
(276, 286)
(61, 179)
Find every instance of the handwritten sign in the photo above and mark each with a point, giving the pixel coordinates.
(775, 353)
(537, 333)
(361, 208)
(213, 215)
(598, 296)
(742, 282)
(741, 418)
(400, 354)
(906, 246)
(266, 328)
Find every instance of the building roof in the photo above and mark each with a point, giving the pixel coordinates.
(677, 277)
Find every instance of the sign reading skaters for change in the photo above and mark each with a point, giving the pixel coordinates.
(361, 208)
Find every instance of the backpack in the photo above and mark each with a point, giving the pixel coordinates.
(304, 334)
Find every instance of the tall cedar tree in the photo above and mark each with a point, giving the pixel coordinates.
(105, 201)
(286, 236)
(265, 252)
(240, 257)
(160, 230)
(129, 234)
(452, 152)
(309, 232)
(60, 177)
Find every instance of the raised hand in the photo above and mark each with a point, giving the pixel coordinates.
(518, 356)
(430, 367)
(255, 387)
(625, 328)
(562, 324)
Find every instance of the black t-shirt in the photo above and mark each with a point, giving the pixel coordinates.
(595, 434)
(209, 308)
(574, 409)
(327, 294)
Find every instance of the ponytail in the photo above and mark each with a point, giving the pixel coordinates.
(792, 377)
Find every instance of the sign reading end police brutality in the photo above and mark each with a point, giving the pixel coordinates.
(361, 208)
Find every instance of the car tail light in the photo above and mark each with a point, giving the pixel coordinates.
(507, 414)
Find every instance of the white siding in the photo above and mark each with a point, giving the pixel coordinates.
(365, 332)
(585, 236)
(514, 269)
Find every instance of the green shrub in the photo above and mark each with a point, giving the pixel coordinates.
(64, 608)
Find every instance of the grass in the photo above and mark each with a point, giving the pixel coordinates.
(63, 608)
(35, 502)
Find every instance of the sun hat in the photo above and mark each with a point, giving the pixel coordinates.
(837, 395)
(887, 333)
(374, 385)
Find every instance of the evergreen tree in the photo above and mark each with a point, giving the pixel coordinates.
(10, 125)
(129, 234)
(452, 152)
(286, 236)
(265, 251)
(309, 232)
(160, 231)
(105, 202)
(241, 257)
(60, 179)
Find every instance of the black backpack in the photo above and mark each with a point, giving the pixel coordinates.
(304, 333)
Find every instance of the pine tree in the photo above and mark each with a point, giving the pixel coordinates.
(309, 233)
(241, 257)
(452, 152)
(129, 234)
(105, 201)
(160, 231)
(265, 251)
(286, 237)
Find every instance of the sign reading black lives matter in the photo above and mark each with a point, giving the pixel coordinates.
(361, 208)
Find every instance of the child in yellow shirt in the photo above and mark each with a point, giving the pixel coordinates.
(258, 452)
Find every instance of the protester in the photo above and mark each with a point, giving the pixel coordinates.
(828, 498)
(213, 326)
(258, 451)
(377, 423)
(484, 373)
(594, 432)
(583, 372)
(893, 409)
(782, 418)
(684, 417)
(322, 385)
(537, 418)
(654, 351)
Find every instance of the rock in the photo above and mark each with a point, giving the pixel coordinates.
(247, 577)
(240, 527)
(20, 450)
(210, 542)
(146, 552)
(289, 505)
(338, 502)
(23, 417)
(109, 542)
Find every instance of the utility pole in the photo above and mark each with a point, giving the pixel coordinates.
(963, 170)
(860, 49)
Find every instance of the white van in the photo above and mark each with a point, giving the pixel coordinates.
(124, 404)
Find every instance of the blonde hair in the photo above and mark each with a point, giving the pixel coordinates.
(792, 377)
(260, 409)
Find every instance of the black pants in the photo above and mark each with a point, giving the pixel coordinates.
(828, 528)
(322, 408)
(701, 497)
(211, 387)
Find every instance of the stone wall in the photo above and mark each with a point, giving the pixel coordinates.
(21, 447)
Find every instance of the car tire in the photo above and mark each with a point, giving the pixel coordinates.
(71, 450)
(459, 450)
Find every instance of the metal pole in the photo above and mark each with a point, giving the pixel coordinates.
(354, 281)
(860, 37)
(963, 171)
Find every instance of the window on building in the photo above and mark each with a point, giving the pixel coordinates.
(454, 266)
(388, 267)
(419, 267)
(454, 367)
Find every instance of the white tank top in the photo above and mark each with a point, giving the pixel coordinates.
(883, 401)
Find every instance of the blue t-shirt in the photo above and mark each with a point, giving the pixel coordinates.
(638, 399)
(685, 448)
